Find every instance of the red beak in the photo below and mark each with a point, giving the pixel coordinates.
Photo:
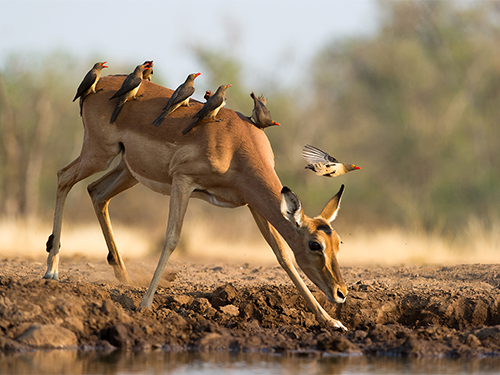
(104, 64)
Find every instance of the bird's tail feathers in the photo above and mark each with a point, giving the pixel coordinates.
(159, 120)
(115, 113)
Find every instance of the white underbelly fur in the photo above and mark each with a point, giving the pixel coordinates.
(159, 187)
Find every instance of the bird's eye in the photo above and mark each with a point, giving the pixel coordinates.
(314, 246)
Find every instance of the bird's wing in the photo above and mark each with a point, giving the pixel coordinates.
(314, 155)
(213, 103)
(181, 93)
(130, 83)
(263, 113)
(87, 82)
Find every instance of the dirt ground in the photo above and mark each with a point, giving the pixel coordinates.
(414, 311)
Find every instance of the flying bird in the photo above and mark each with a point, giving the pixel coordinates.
(210, 108)
(87, 86)
(148, 72)
(261, 116)
(180, 97)
(323, 164)
(128, 90)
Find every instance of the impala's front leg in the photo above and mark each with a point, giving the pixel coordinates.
(179, 199)
(67, 177)
(273, 238)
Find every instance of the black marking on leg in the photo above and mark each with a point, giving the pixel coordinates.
(111, 260)
(50, 243)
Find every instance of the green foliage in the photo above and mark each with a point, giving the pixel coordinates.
(417, 106)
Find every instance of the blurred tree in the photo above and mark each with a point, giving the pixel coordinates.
(32, 102)
(416, 105)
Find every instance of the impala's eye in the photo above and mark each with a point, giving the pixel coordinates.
(314, 246)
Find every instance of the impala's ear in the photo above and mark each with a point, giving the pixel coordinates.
(331, 209)
(291, 207)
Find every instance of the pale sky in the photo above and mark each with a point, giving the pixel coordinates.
(274, 39)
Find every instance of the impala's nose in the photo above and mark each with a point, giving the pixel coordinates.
(341, 293)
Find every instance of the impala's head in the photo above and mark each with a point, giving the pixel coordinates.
(318, 257)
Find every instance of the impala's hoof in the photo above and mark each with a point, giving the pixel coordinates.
(51, 276)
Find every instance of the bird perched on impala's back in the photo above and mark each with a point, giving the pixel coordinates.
(210, 108)
(180, 97)
(207, 95)
(128, 90)
(89, 82)
(148, 72)
(261, 116)
(324, 164)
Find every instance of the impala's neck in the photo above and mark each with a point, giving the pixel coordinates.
(262, 189)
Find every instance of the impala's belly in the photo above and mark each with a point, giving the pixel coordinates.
(160, 187)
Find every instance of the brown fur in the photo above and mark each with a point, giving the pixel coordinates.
(228, 163)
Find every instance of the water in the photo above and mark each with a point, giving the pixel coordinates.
(223, 363)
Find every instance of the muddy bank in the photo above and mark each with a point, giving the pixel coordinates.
(413, 311)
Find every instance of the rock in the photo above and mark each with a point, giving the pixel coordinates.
(335, 343)
(8, 345)
(174, 302)
(48, 336)
(230, 310)
(223, 295)
(203, 307)
(114, 313)
(75, 324)
(472, 341)
(125, 336)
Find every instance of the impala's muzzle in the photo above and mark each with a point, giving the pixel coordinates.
(339, 295)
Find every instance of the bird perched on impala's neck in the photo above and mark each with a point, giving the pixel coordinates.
(87, 86)
(180, 97)
(148, 72)
(128, 90)
(210, 108)
(323, 164)
(261, 116)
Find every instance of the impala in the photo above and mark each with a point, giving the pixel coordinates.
(227, 164)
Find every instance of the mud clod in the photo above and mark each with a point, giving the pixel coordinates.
(407, 311)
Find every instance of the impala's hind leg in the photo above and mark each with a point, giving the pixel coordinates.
(85, 165)
(101, 192)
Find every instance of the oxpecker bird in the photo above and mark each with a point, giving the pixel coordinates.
(210, 108)
(89, 82)
(180, 97)
(261, 116)
(148, 72)
(323, 164)
(128, 90)
(207, 95)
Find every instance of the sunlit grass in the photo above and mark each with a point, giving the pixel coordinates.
(226, 243)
